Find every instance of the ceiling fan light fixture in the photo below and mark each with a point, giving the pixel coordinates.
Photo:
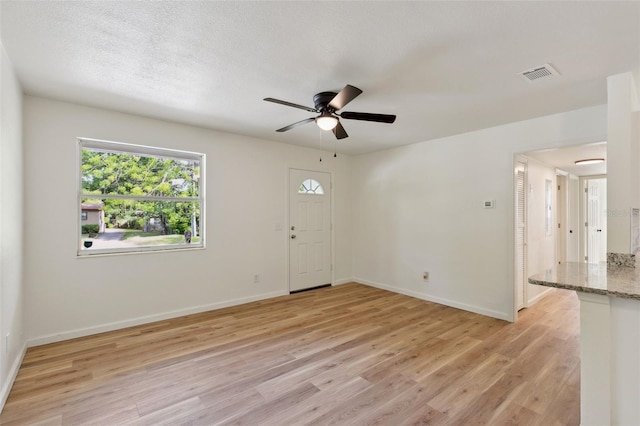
(326, 121)
(589, 161)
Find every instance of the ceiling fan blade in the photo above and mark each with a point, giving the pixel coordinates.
(299, 123)
(346, 95)
(364, 116)
(340, 132)
(278, 101)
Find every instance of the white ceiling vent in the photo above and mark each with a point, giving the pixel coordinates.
(545, 71)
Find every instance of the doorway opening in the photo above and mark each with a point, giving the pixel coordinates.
(559, 213)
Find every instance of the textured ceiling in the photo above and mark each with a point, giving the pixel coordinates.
(442, 67)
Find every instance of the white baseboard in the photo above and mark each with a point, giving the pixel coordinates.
(441, 301)
(11, 377)
(72, 334)
(343, 281)
(537, 298)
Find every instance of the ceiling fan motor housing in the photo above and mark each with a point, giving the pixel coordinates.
(322, 99)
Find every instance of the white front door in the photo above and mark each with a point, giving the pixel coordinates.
(309, 229)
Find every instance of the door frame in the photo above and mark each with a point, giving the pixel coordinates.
(288, 223)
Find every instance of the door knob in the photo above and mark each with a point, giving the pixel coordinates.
(293, 237)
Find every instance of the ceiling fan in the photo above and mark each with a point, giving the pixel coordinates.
(327, 104)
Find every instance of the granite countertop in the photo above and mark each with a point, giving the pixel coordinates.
(619, 281)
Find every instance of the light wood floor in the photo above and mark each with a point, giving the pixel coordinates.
(342, 355)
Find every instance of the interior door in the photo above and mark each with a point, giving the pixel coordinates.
(596, 224)
(562, 216)
(309, 229)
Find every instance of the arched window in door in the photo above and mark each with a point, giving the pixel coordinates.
(310, 186)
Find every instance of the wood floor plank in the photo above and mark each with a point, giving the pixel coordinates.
(565, 408)
(220, 409)
(113, 416)
(401, 406)
(423, 415)
(475, 382)
(489, 405)
(546, 385)
(359, 405)
(259, 413)
(515, 414)
(350, 354)
(172, 414)
(320, 403)
(439, 354)
(353, 362)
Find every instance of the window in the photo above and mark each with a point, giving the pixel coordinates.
(310, 186)
(135, 198)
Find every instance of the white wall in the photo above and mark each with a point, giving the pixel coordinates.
(11, 222)
(540, 246)
(623, 160)
(246, 190)
(419, 208)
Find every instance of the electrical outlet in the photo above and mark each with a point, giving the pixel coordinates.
(425, 276)
(256, 278)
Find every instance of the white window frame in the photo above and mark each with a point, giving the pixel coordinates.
(147, 151)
